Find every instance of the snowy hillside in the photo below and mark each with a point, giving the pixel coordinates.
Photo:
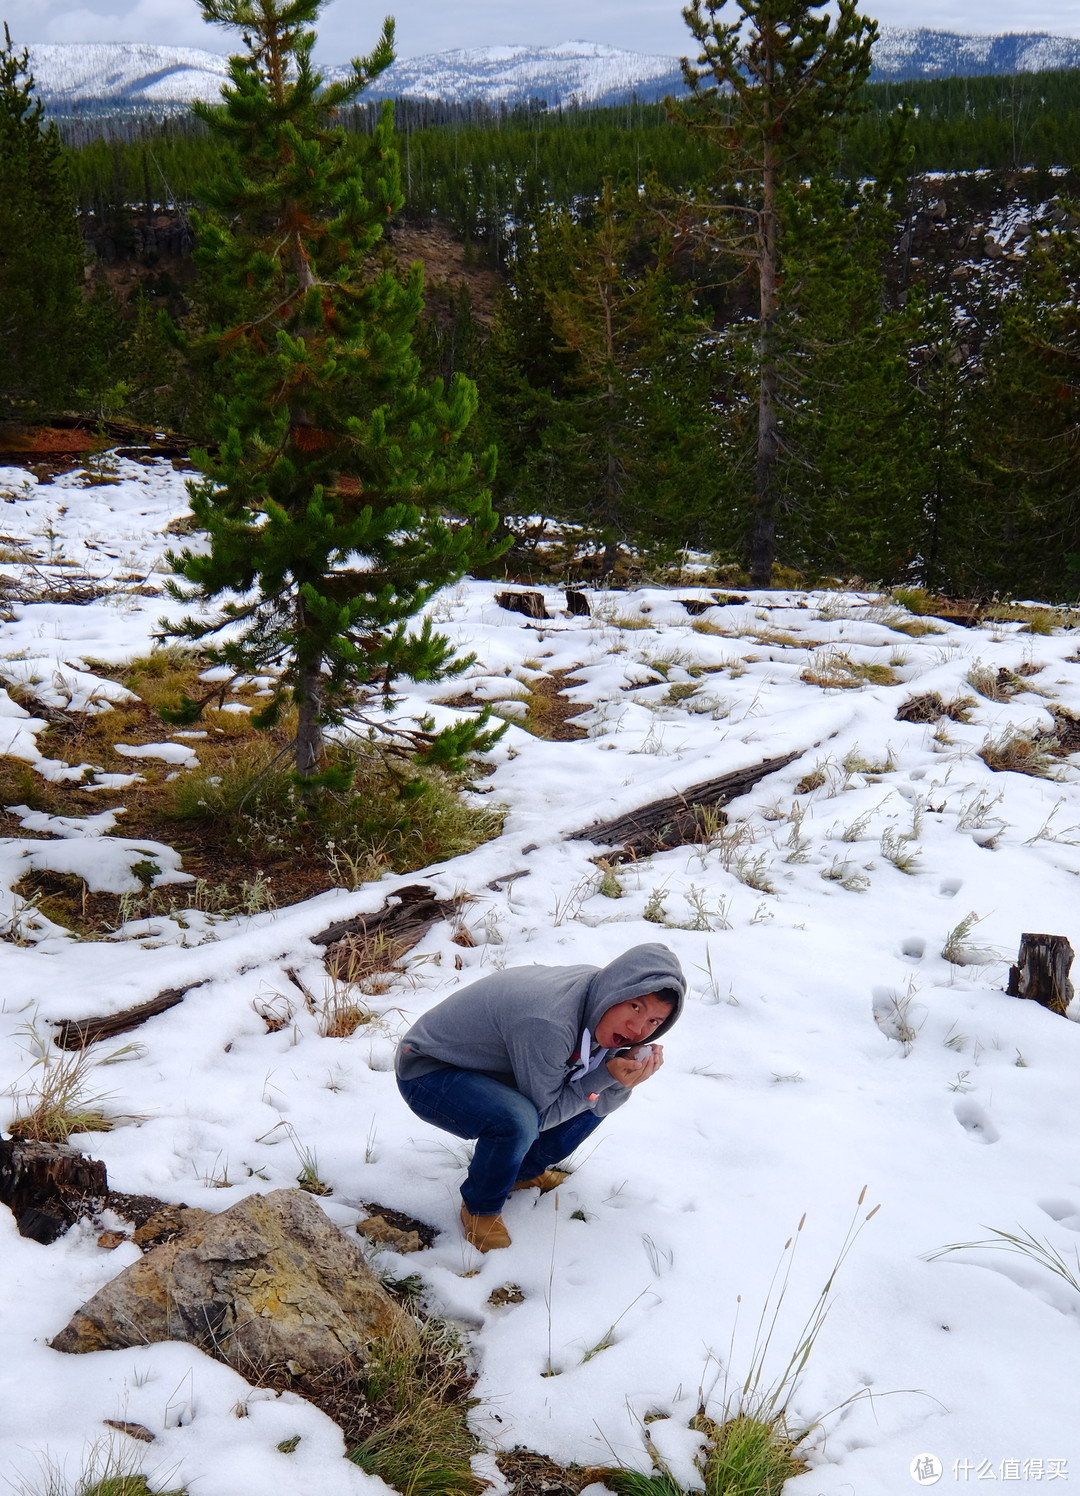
(846, 935)
(572, 73)
(132, 73)
(127, 72)
(920, 53)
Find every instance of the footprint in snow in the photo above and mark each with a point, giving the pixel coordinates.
(914, 948)
(950, 887)
(975, 1121)
(1065, 1212)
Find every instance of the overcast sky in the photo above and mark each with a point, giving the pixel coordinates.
(347, 27)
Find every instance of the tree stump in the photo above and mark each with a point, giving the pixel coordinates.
(1042, 972)
(49, 1186)
(577, 603)
(530, 603)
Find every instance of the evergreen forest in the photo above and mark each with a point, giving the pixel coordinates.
(855, 360)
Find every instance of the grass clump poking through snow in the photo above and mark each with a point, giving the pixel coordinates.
(747, 1456)
(835, 670)
(752, 1449)
(105, 1472)
(415, 1433)
(931, 707)
(57, 1104)
(256, 802)
(1024, 1244)
(1019, 753)
(994, 685)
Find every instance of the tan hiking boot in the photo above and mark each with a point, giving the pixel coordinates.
(550, 1179)
(486, 1233)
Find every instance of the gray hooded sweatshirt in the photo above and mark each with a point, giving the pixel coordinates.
(525, 1026)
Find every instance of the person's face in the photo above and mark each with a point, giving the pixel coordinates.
(631, 1022)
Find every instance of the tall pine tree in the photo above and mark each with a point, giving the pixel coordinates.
(1022, 530)
(41, 255)
(771, 90)
(341, 495)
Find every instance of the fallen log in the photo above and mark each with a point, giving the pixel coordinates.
(1041, 972)
(77, 1033)
(391, 930)
(371, 943)
(49, 1186)
(676, 819)
(415, 911)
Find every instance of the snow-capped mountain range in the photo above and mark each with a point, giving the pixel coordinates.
(70, 74)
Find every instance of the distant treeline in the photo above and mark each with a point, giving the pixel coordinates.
(485, 168)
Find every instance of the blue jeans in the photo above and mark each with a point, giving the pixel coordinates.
(505, 1124)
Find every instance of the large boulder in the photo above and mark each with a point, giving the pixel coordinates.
(269, 1285)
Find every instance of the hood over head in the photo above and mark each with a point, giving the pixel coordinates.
(651, 967)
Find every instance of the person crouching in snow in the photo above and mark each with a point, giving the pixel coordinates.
(529, 1061)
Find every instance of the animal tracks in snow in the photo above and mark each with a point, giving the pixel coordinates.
(975, 1121)
(1064, 1212)
(950, 887)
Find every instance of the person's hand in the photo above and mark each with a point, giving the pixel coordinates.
(631, 1069)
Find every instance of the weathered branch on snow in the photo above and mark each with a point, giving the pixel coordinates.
(676, 819)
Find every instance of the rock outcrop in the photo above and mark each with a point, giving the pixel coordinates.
(269, 1286)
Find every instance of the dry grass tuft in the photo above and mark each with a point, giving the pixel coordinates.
(341, 1012)
(1035, 620)
(835, 670)
(58, 1103)
(994, 685)
(931, 707)
(1019, 753)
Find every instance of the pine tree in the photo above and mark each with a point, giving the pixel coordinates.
(340, 496)
(1022, 535)
(611, 386)
(771, 91)
(41, 255)
(852, 472)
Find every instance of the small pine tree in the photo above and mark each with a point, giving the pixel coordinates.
(340, 496)
(41, 253)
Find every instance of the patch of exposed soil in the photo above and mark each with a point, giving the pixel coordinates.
(533, 1474)
(446, 265)
(552, 715)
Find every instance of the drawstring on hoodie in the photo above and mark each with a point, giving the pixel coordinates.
(582, 1065)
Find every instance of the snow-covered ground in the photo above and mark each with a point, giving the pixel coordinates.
(827, 1044)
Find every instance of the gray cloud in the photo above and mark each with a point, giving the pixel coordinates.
(346, 29)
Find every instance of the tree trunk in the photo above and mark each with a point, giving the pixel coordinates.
(1042, 972)
(768, 435)
(309, 746)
